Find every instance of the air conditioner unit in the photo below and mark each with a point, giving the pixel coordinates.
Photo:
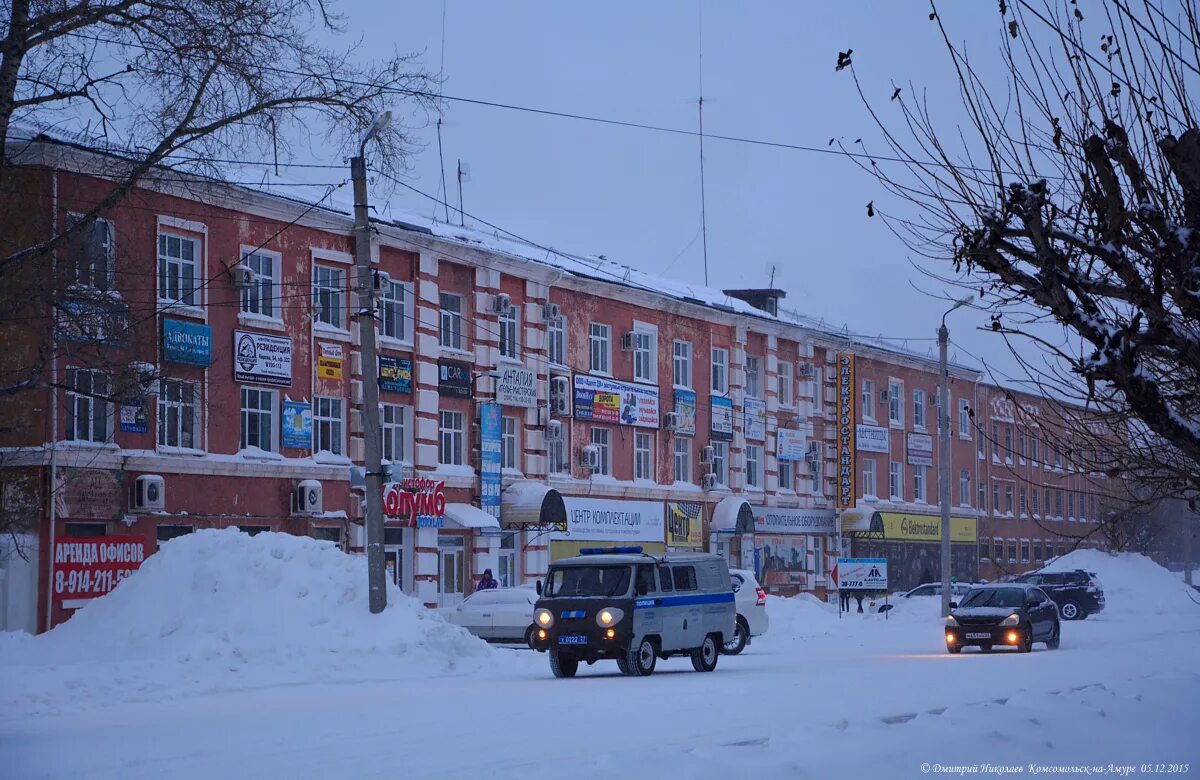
(707, 453)
(554, 430)
(708, 481)
(628, 341)
(883, 396)
(670, 421)
(242, 276)
(589, 457)
(501, 303)
(308, 497)
(382, 279)
(551, 312)
(806, 371)
(560, 396)
(149, 493)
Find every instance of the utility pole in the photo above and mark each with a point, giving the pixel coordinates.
(944, 449)
(376, 582)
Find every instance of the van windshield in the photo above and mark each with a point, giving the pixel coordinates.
(607, 581)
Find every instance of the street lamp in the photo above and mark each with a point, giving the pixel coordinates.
(944, 448)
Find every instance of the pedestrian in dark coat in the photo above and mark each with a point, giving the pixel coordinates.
(487, 582)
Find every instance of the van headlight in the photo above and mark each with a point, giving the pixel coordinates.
(1011, 620)
(609, 616)
(544, 618)
(950, 621)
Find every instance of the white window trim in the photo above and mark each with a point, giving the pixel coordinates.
(651, 330)
(722, 391)
(276, 410)
(197, 310)
(868, 411)
(461, 431)
(447, 349)
(898, 421)
(608, 346)
(346, 291)
(964, 433)
(111, 411)
(561, 322)
(790, 374)
(650, 480)
(322, 255)
(408, 424)
(761, 467)
(921, 427)
(410, 317)
(341, 423)
(276, 280)
(198, 422)
(892, 495)
(689, 377)
(516, 358)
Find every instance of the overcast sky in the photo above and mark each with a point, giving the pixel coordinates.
(634, 195)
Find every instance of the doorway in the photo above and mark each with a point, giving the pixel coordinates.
(452, 570)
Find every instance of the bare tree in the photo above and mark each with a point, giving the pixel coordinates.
(1069, 199)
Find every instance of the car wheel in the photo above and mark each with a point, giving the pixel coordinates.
(529, 634)
(562, 665)
(641, 658)
(1026, 645)
(1071, 611)
(1055, 637)
(741, 635)
(704, 657)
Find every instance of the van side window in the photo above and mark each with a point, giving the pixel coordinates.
(685, 577)
(664, 578)
(645, 580)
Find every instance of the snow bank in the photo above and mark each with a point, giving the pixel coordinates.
(1132, 583)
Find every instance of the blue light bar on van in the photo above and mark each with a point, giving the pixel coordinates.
(610, 550)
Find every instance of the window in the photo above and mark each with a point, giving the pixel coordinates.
(985, 549)
(754, 473)
(919, 408)
(600, 348)
(683, 459)
(685, 577)
(559, 452)
(165, 533)
(1024, 551)
(981, 498)
(600, 440)
(964, 487)
(995, 443)
(510, 333)
(450, 439)
(396, 311)
(868, 476)
(1033, 498)
(329, 295)
(818, 390)
(1021, 446)
(787, 471)
(1008, 450)
(88, 410)
(509, 446)
(1037, 550)
(394, 421)
(720, 371)
(664, 579)
(681, 364)
(556, 331)
(895, 403)
(818, 559)
(178, 269)
(1058, 502)
(720, 461)
(814, 466)
(964, 419)
(1046, 506)
(1070, 505)
(1012, 550)
(253, 530)
(327, 534)
(1008, 500)
(785, 383)
(258, 419)
(259, 297)
(919, 483)
(1033, 443)
(1024, 503)
(178, 413)
(645, 356)
(896, 481)
(868, 399)
(91, 254)
(450, 331)
(328, 425)
(980, 447)
(995, 498)
(86, 530)
(753, 377)
(1057, 454)
(643, 456)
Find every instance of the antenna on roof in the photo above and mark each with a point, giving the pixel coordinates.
(772, 267)
(464, 174)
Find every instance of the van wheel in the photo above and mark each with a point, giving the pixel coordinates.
(1071, 611)
(623, 664)
(704, 657)
(529, 635)
(741, 635)
(563, 666)
(641, 658)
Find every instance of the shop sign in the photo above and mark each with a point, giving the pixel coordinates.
(395, 374)
(722, 417)
(516, 386)
(927, 528)
(618, 403)
(329, 362)
(90, 494)
(756, 419)
(87, 568)
(862, 574)
(685, 528)
(297, 425)
(847, 403)
(419, 502)
(919, 449)
(872, 438)
(454, 379)
(187, 342)
(608, 520)
(790, 445)
(263, 359)
(133, 416)
(781, 520)
(782, 560)
(685, 409)
(490, 461)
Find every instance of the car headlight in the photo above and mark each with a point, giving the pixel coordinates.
(950, 621)
(544, 618)
(609, 616)
(1011, 620)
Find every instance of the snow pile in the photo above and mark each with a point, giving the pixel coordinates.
(217, 610)
(1132, 583)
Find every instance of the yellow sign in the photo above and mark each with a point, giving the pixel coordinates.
(685, 528)
(329, 362)
(847, 420)
(927, 528)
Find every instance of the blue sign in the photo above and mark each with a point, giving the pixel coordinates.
(395, 374)
(490, 461)
(133, 416)
(187, 342)
(722, 417)
(685, 408)
(297, 425)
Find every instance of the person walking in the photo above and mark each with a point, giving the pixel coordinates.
(487, 581)
(845, 596)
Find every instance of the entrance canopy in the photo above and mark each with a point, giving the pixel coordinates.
(860, 519)
(467, 516)
(532, 503)
(732, 515)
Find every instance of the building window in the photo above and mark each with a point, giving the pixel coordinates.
(1033, 445)
(510, 333)
(394, 420)
(786, 474)
(1037, 550)
(1046, 510)
(985, 549)
(1057, 454)
(91, 254)
(753, 377)
(919, 483)
(683, 459)
(178, 266)
(1024, 551)
(643, 456)
(1012, 550)
(395, 306)
(1024, 507)
(896, 481)
(645, 356)
(814, 465)
(450, 331)
(964, 487)
(1058, 504)
(1008, 450)
(720, 462)
(1070, 505)
(558, 341)
(258, 419)
(994, 443)
(995, 498)
(509, 443)
(868, 476)
(600, 348)
(329, 295)
(895, 403)
(259, 296)
(165, 533)
(754, 466)
(1021, 446)
(178, 413)
(981, 497)
(328, 425)
(681, 364)
(785, 383)
(720, 370)
(868, 399)
(600, 440)
(918, 408)
(818, 390)
(88, 409)
(964, 418)
(1008, 500)
(559, 452)
(979, 447)
(1033, 497)
(450, 439)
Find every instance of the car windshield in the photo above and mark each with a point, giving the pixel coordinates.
(994, 597)
(587, 581)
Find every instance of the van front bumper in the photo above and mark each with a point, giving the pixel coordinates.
(584, 641)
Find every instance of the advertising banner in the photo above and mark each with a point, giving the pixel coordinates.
(862, 573)
(722, 417)
(782, 560)
(263, 359)
(187, 342)
(790, 445)
(919, 449)
(91, 494)
(490, 461)
(619, 403)
(329, 362)
(420, 502)
(87, 568)
(516, 386)
(927, 528)
(685, 527)
(133, 416)
(685, 407)
(872, 438)
(454, 379)
(847, 412)
(297, 424)
(756, 419)
(610, 520)
(781, 520)
(395, 374)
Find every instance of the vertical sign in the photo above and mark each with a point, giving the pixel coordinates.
(846, 435)
(490, 460)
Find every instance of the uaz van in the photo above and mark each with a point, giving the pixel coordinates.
(622, 604)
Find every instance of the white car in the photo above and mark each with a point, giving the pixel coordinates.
(751, 602)
(497, 615)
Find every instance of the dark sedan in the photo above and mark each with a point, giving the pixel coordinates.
(1003, 615)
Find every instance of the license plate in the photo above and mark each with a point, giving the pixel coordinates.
(572, 639)
(979, 635)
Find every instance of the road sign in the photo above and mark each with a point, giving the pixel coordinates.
(862, 574)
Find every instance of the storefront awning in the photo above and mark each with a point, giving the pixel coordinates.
(860, 520)
(532, 503)
(732, 515)
(467, 516)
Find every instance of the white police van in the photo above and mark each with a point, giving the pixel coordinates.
(623, 604)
